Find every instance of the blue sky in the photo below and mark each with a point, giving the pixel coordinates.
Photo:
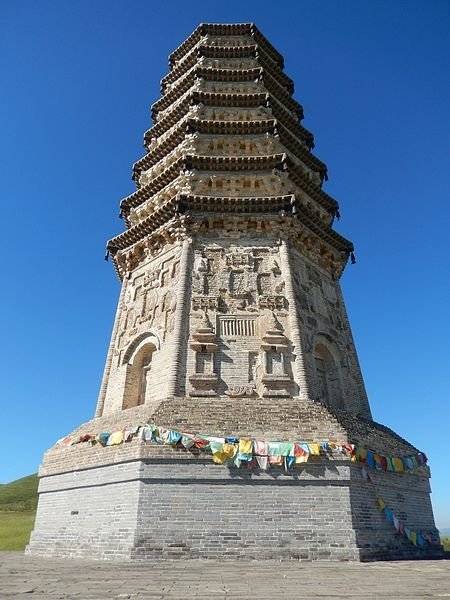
(80, 78)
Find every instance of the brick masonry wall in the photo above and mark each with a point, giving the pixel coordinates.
(408, 495)
(88, 514)
(226, 513)
(161, 507)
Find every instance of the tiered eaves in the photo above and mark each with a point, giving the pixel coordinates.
(227, 139)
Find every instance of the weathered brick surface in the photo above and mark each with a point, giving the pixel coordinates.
(262, 418)
(184, 506)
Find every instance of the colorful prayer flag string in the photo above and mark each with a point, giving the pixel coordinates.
(236, 451)
(383, 462)
(417, 539)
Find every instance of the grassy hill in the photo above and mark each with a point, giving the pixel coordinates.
(18, 501)
(19, 495)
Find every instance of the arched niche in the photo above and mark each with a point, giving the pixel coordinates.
(138, 364)
(329, 389)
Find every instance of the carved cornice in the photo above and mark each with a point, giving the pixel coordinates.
(126, 259)
(331, 253)
(293, 144)
(299, 177)
(329, 249)
(198, 74)
(182, 164)
(188, 125)
(235, 29)
(202, 112)
(159, 150)
(178, 132)
(194, 97)
(189, 162)
(204, 49)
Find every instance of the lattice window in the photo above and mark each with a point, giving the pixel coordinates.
(237, 326)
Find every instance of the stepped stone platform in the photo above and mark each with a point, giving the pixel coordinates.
(146, 501)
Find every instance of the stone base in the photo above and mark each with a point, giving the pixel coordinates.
(143, 501)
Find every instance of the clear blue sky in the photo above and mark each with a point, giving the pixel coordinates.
(79, 78)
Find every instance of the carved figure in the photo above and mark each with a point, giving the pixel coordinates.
(274, 266)
(169, 307)
(199, 275)
(150, 305)
(278, 286)
(223, 283)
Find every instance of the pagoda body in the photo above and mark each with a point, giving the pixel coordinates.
(230, 322)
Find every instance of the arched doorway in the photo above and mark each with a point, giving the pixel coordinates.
(328, 383)
(138, 362)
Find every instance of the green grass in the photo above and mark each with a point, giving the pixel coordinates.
(19, 495)
(18, 501)
(15, 529)
(445, 541)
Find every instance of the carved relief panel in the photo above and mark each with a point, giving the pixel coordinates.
(273, 183)
(232, 87)
(237, 279)
(150, 300)
(212, 113)
(230, 63)
(223, 40)
(330, 355)
(234, 145)
(240, 288)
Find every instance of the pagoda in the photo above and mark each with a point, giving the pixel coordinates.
(231, 331)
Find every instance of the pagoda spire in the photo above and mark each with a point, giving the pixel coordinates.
(227, 139)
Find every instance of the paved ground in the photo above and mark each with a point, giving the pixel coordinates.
(25, 577)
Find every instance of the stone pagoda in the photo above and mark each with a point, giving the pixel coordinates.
(231, 324)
